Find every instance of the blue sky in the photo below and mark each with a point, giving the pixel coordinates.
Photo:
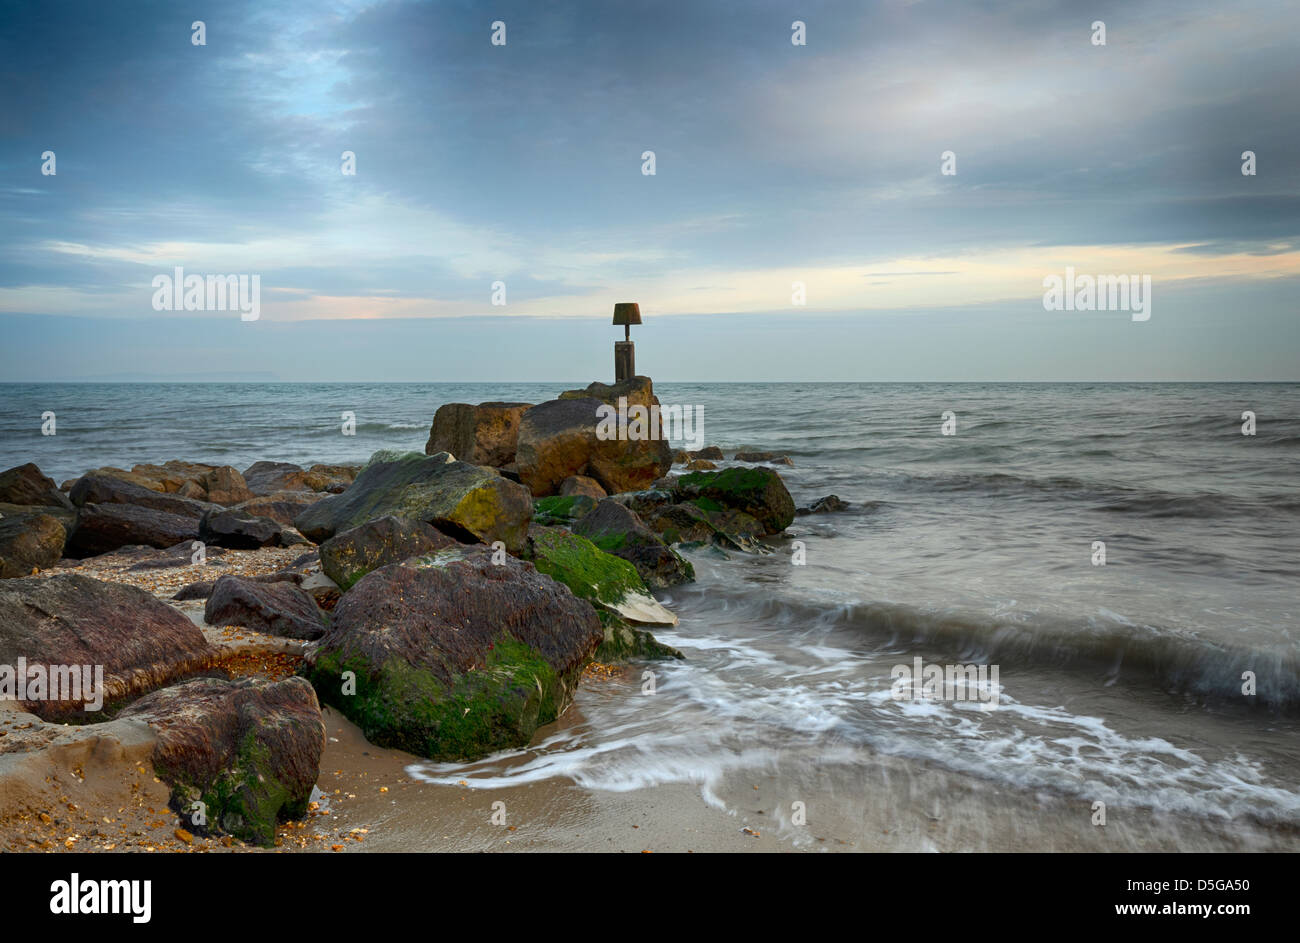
(775, 164)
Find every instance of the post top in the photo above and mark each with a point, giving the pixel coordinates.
(627, 312)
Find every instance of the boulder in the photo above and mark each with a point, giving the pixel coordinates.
(624, 642)
(823, 505)
(454, 656)
(711, 453)
(333, 479)
(200, 589)
(758, 492)
(562, 511)
(348, 556)
(468, 502)
(485, 434)
(281, 506)
(29, 542)
(171, 476)
(773, 458)
(689, 523)
(73, 620)
(225, 486)
(263, 478)
(248, 749)
(700, 464)
(602, 579)
(558, 440)
(681, 457)
(638, 391)
(615, 529)
(25, 485)
(99, 488)
(275, 608)
(581, 484)
(240, 530)
(102, 528)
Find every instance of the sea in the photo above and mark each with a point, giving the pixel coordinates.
(1125, 555)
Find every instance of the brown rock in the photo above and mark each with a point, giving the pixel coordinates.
(69, 619)
(25, 485)
(712, 453)
(281, 506)
(265, 478)
(29, 542)
(276, 608)
(700, 464)
(334, 479)
(483, 434)
(581, 484)
(225, 486)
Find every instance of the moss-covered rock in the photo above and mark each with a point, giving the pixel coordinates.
(348, 556)
(602, 578)
(615, 529)
(466, 501)
(624, 642)
(451, 656)
(562, 510)
(758, 492)
(248, 751)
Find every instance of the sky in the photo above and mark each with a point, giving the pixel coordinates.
(776, 166)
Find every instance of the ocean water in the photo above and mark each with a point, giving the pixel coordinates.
(1120, 683)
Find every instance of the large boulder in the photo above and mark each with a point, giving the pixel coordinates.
(73, 620)
(559, 440)
(617, 530)
(248, 750)
(25, 485)
(581, 484)
(29, 542)
(280, 506)
(240, 530)
(485, 434)
(757, 492)
(172, 476)
(468, 502)
(454, 657)
(348, 556)
(604, 580)
(264, 478)
(332, 478)
(102, 528)
(225, 486)
(275, 608)
(100, 488)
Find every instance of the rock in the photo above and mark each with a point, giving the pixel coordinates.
(69, 619)
(348, 556)
(822, 505)
(485, 434)
(200, 589)
(615, 529)
(170, 476)
(240, 530)
(25, 485)
(191, 489)
(97, 488)
(454, 657)
(225, 486)
(643, 503)
(147, 558)
(468, 502)
(558, 440)
(689, 523)
(29, 542)
(758, 492)
(700, 464)
(102, 528)
(562, 511)
(275, 608)
(581, 484)
(711, 453)
(263, 478)
(249, 750)
(681, 457)
(334, 479)
(603, 579)
(623, 642)
(638, 391)
(775, 458)
(322, 589)
(281, 506)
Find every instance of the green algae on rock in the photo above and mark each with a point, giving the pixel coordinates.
(602, 578)
(239, 756)
(758, 492)
(452, 657)
(624, 642)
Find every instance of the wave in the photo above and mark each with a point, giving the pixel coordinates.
(1175, 660)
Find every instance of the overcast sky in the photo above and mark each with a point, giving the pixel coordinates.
(774, 163)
